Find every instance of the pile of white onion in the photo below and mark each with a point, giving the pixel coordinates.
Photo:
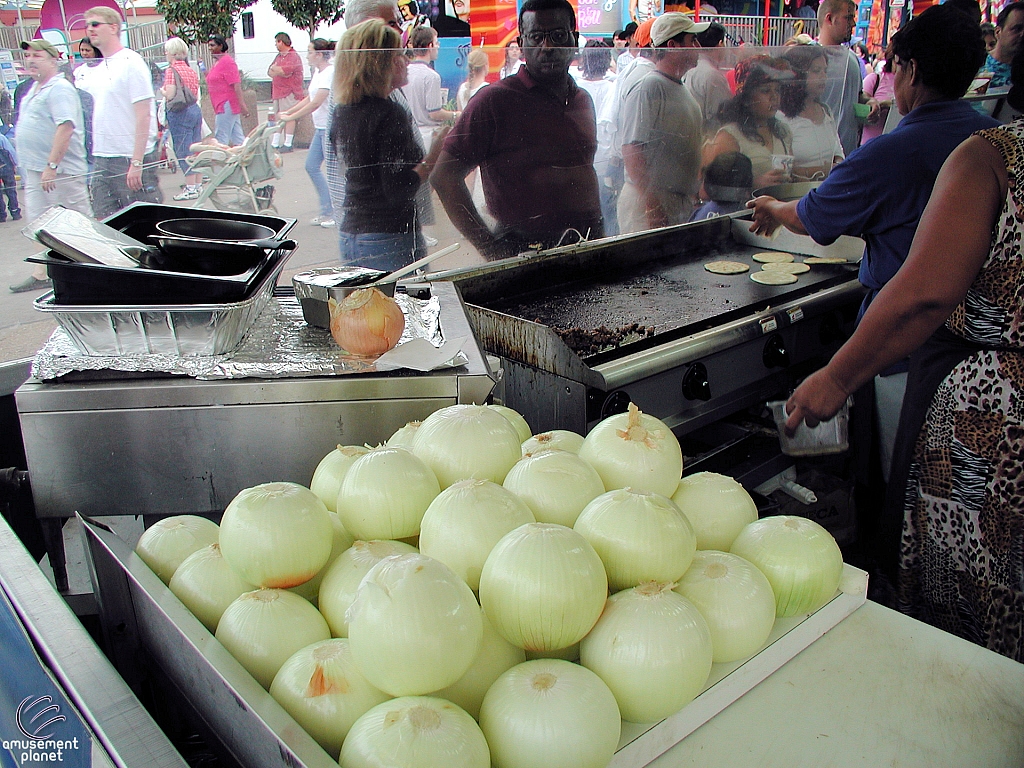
(335, 616)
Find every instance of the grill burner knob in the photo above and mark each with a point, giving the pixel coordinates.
(695, 383)
(775, 355)
(616, 402)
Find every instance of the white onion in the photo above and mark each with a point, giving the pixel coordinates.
(462, 525)
(414, 626)
(543, 587)
(166, 543)
(653, 649)
(331, 471)
(404, 436)
(467, 441)
(321, 688)
(341, 541)
(342, 578)
(734, 598)
(639, 537)
(276, 535)
(385, 494)
(562, 439)
(261, 629)
(552, 714)
(516, 419)
(496, 655)
(802, 561)
(205, 583)
(634, 450)
(415, 732)
(717, 506)
(556, 485)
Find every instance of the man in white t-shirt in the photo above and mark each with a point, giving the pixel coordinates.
(423, 91)
(124, 119)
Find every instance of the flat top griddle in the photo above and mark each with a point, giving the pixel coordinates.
(664, 298)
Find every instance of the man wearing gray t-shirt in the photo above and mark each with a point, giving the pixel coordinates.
(662, 133)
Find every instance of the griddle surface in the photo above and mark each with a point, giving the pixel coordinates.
(668, 296)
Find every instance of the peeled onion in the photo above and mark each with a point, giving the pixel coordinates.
(341, 541)
(385, 494)
(638, 536)
(550, 713)
(261, 629)
(366, 323)
(717, 506)
(465, 521)
(543, 587)
(414, 626)
(205, 583)
(166, 543)
(556, 485)
(321, 688)
(467, 441)
(802, 561)
(415, 732)
(734, 598)
(653, 649)
(516, 419)
(404, 436)
(634, 450)
(562, 439)
(342, 578)
(331, 471)
(496, 656)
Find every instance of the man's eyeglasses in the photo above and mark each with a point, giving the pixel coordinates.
(94, 24)
(556, 36)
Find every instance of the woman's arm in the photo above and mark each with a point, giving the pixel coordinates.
(951, 244)
(306, 106)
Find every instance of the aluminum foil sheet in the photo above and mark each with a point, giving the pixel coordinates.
(280, 344)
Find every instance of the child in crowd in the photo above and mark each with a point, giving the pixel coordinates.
(728, 181)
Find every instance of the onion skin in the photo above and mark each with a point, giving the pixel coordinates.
(276, 535)
(366, 323)
(552, 714)
(735, 599)
(802, 561)
(653, 649)
(543, 587)
(165, 544)
(321, 688)
(415, 732)
(562, 439)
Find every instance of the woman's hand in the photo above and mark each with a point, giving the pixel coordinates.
(817, 399)
(765, 223)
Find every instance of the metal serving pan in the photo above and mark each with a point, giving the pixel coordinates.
(199, 329)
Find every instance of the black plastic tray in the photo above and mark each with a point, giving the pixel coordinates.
(174, 280)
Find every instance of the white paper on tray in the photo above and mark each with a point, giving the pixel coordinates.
(420, 355)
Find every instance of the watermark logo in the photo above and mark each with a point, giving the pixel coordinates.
(36, 715)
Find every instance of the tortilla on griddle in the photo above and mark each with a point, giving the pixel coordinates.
(726, 267)
(773, 257)
(772, 278)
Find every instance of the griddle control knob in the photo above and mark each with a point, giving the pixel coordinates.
(695, 383)
(775, 355)
(616, 402)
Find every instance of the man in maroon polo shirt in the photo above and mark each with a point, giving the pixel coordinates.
(533, 136)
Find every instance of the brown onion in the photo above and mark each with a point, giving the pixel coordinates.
(366, 322)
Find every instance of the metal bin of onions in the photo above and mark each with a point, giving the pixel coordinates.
(471, 594)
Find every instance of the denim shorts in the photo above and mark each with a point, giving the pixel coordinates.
(386, 251)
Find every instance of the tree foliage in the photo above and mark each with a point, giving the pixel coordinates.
(309, 14)
(195, 20)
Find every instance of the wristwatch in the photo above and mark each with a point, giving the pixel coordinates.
(136, 163)
(52, 166)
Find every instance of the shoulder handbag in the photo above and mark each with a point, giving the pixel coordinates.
(183, 97)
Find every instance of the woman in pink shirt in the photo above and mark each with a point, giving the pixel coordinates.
(225, 88)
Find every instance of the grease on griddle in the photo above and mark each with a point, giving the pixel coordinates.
(586, 343)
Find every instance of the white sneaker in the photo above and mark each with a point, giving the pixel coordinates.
(429, 241)
(315, 221)
(327, 223)
(190, 192)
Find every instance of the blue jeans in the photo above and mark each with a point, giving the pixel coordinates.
(386, 251)
(186, 129)
(228, 127)
(314, 159)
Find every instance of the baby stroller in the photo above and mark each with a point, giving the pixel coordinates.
(238, 176)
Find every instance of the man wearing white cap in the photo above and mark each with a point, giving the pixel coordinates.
(662, 132)
(51, 143)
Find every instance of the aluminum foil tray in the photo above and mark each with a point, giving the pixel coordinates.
(184, 331)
